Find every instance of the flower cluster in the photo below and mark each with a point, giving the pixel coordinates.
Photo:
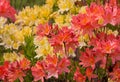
(96, 16)
(15, 70)
(12, 36)
(6, 10)
(50, 67)
(60, 41)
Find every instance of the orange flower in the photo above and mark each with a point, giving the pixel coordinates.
(24, 64)
(89, 73)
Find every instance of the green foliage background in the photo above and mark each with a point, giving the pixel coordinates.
(19, 4)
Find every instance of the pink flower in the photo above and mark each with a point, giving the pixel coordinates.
(89, 21)
(78, 77)
(105, 43)
(63, 65)
(89, 73)
(44, 30)
(64, 39)
(51, 66)
(6, 10)
(15, 72)
(87, 59)
(115, 75)
(38, 72)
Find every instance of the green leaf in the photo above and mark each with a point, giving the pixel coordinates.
(29, 49)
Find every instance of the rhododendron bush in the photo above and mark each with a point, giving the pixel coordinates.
(60, 41)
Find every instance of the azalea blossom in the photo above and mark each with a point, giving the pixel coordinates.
(65, 39)
(4, 71)
(87, 59)
(24, 64)
(51, 66)
(44, 30)
(78, 77)
(106, 44)
(115, 75)
(15, 72)
(89, 73)
(38, 72)
(63, 66)
(6, 10)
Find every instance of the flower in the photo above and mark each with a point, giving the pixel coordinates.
(65, 39)
(12, 36)
(78, 77)
(44, 30)
(87, 59)
(44, 47)
(63, 65)
(34, 16)
(4, 70)
(2, 22)
(106, 44)
(89, 73)
(115, 75)
(51, 66)
(10, 57)
(65, 5)
(6, 10)
(24, 64)
(90, 20)
(15, 72)
(38, 72)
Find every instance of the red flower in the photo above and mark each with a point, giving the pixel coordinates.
(115, 75)
(51, 66)
(6, 10)
(38, 72)
(63, 64)
(78, 77)
(65, 39)
(24, 64)
(44, 30)
(15, 72)
(105, 43)
(89, 73)
(89, 21)
(87, 59)
(4, 70)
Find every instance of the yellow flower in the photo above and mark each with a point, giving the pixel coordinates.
(65, 5)
(34, 16)
(59, 19)
(63, 20)
(44, 48)
(83, 10)
(50, 2)
(12, 36)
(26, 31)
(2, 21)
(10, 57)
(101, 21)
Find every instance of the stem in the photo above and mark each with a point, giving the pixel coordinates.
(65, 50)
